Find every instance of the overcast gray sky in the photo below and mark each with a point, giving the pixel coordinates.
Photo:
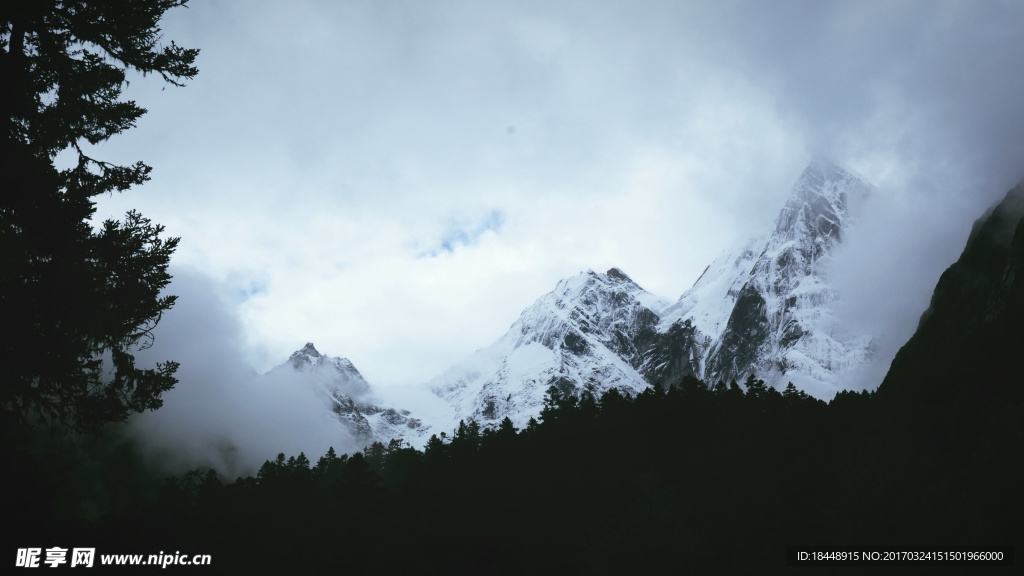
(395, 181)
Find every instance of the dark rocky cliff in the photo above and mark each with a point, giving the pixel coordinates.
(968, 350)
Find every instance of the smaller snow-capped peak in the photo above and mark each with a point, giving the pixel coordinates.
(308, 355)
(348, 395)
(590, 303)
(576, 288)
(589, 331)
(339, 372)
(305, 356)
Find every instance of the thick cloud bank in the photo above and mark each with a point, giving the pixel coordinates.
(222, 414)
(385, 176)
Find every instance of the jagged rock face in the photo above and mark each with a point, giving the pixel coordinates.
(609, 310)
(968, 343)
(775, 296)
(349, 414)
(675, 354)
(349, 397)
(592, 330)
(745, 335)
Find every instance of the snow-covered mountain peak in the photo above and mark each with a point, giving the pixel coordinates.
(618, 275)
(782, 322)
(818, 204)
(588, 302)
(768, 307)
(307, 355)
(588, 279)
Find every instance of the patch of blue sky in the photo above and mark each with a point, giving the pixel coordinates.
(253, 288)
(467, 235)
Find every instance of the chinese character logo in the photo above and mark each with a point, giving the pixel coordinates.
(83, 557)
(28, 557)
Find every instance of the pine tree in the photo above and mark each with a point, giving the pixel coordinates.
(506, 429)
(734, 390)
(374, 456)
(792, 396)
(532, 425)
(720, 389)
(325, 461)
(756, 389)
(70, 294)
(435, 451)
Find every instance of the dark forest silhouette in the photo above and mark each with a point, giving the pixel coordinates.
(708, 478)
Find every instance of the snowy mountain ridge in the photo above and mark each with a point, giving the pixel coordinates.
(766, 307)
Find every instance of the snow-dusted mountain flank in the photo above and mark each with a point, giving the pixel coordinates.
(765, 308)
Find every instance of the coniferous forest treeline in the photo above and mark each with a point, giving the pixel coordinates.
(696, 479)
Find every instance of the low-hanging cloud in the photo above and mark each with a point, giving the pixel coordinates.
(222, 414)
(887, 266)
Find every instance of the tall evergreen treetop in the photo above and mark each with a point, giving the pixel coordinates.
(69, 294)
